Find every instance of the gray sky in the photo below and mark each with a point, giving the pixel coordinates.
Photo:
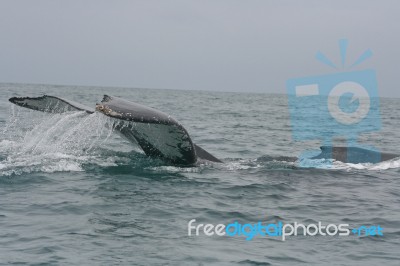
(224, 45)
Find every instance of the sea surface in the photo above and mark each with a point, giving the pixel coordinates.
(73, 192)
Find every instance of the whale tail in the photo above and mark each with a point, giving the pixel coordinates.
(158, 134)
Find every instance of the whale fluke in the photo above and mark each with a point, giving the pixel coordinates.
(158, 134)
(50, 104)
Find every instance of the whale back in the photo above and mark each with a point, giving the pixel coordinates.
(354, 154)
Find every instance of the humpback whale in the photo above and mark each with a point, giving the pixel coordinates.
(161, 136)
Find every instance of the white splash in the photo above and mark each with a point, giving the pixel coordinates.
(53, 142)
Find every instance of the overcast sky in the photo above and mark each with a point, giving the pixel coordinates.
(224, 45)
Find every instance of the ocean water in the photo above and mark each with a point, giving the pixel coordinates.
(72, 192)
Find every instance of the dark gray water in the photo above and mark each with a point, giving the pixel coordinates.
(74, 193)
